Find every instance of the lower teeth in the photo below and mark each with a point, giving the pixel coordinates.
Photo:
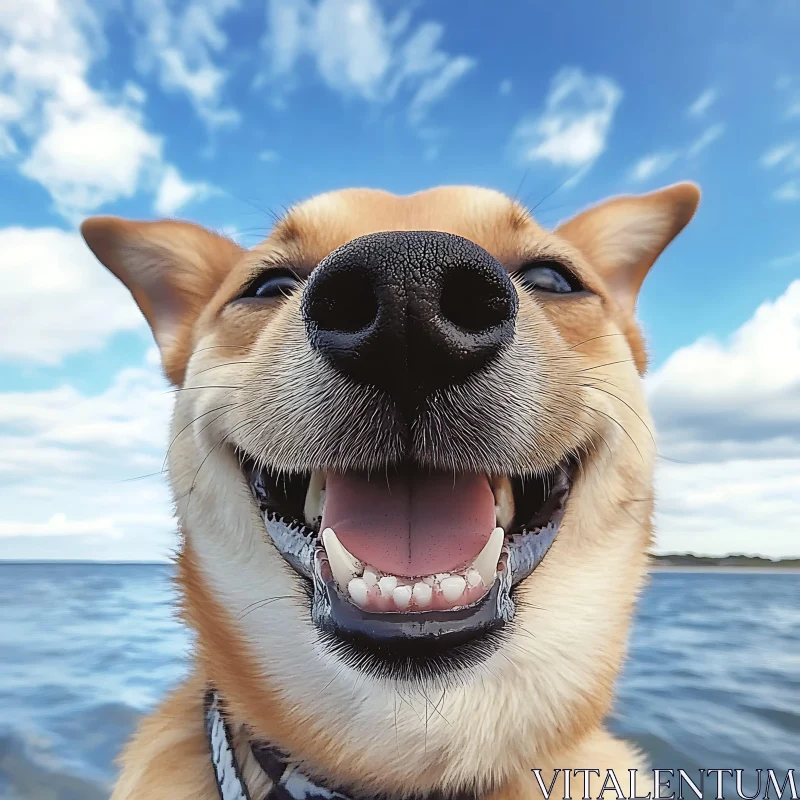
(388, 592)
(368, 588)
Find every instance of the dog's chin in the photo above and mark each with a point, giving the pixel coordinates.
(411, 574)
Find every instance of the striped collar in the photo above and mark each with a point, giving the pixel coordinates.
(286, 782)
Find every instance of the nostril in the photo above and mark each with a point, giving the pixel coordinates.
(344, 302)
(475, 301)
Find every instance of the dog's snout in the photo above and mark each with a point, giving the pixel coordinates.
(409, 311)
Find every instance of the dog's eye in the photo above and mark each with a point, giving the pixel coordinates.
(549, 276)
(272, 283)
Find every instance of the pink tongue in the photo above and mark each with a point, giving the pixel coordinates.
(410, 526)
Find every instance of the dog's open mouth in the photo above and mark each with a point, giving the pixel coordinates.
(411, 556)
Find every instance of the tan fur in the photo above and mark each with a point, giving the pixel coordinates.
(569, 382)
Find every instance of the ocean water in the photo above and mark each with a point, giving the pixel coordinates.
(713, 678)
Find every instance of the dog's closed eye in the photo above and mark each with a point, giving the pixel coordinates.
(549, 276)
(276, 282)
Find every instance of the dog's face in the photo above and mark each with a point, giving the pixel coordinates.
(412, 462)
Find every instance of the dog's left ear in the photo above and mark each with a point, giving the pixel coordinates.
(622, 237)
(171, 268)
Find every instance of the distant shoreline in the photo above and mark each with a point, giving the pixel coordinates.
(689, 561)
(75, 562)
(728, 570)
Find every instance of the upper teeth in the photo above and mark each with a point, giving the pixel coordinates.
(315, 498)
(503, 501)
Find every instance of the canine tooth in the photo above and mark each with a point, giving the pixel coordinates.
(402, 596)
(315, 497)
(504, 501)
(344, 565)
(485, 562)
(387, 585)
(473, 577)
(422, 594)
(370, 577)
(453, 587)
(358, 591)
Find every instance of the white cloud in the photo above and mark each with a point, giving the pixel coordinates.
(790, 88)
(8, 147)
(573, 128)
(785, 158)
(744, 392)
(173, 192)
(706, 138)
(87, 462)
(130, 415)
(652, 165)
(786, 154)
(93, 156)
(505, 87)
(435, 87)
(728, 416)
(268, 155)
(736, 507)
(57, 299)
(788, 192)
(358, 52)
(182, 46)
(84, 146)
(704, 101)
(786, 261)
(59, 525)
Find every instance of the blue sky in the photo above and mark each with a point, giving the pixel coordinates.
(225, 111)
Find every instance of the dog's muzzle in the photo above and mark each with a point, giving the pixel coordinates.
(408, 565)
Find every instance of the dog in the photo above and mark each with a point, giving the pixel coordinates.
(412, 465)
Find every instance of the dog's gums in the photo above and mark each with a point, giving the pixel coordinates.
(418, 546)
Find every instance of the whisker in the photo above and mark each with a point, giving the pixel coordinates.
(221, 441)
(557, 189)
(141, 477)
(219, 366)
(197, 388)
(219, 347)
(618, 423)
(673, 460)
(638, 416)
(595, 338)
(322, 690)
(515, 196)
(262, 603)
(188, 425)
(608, 364)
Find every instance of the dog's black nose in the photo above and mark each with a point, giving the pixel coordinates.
(409, 311)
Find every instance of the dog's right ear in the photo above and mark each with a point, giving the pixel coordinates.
(171, 268)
